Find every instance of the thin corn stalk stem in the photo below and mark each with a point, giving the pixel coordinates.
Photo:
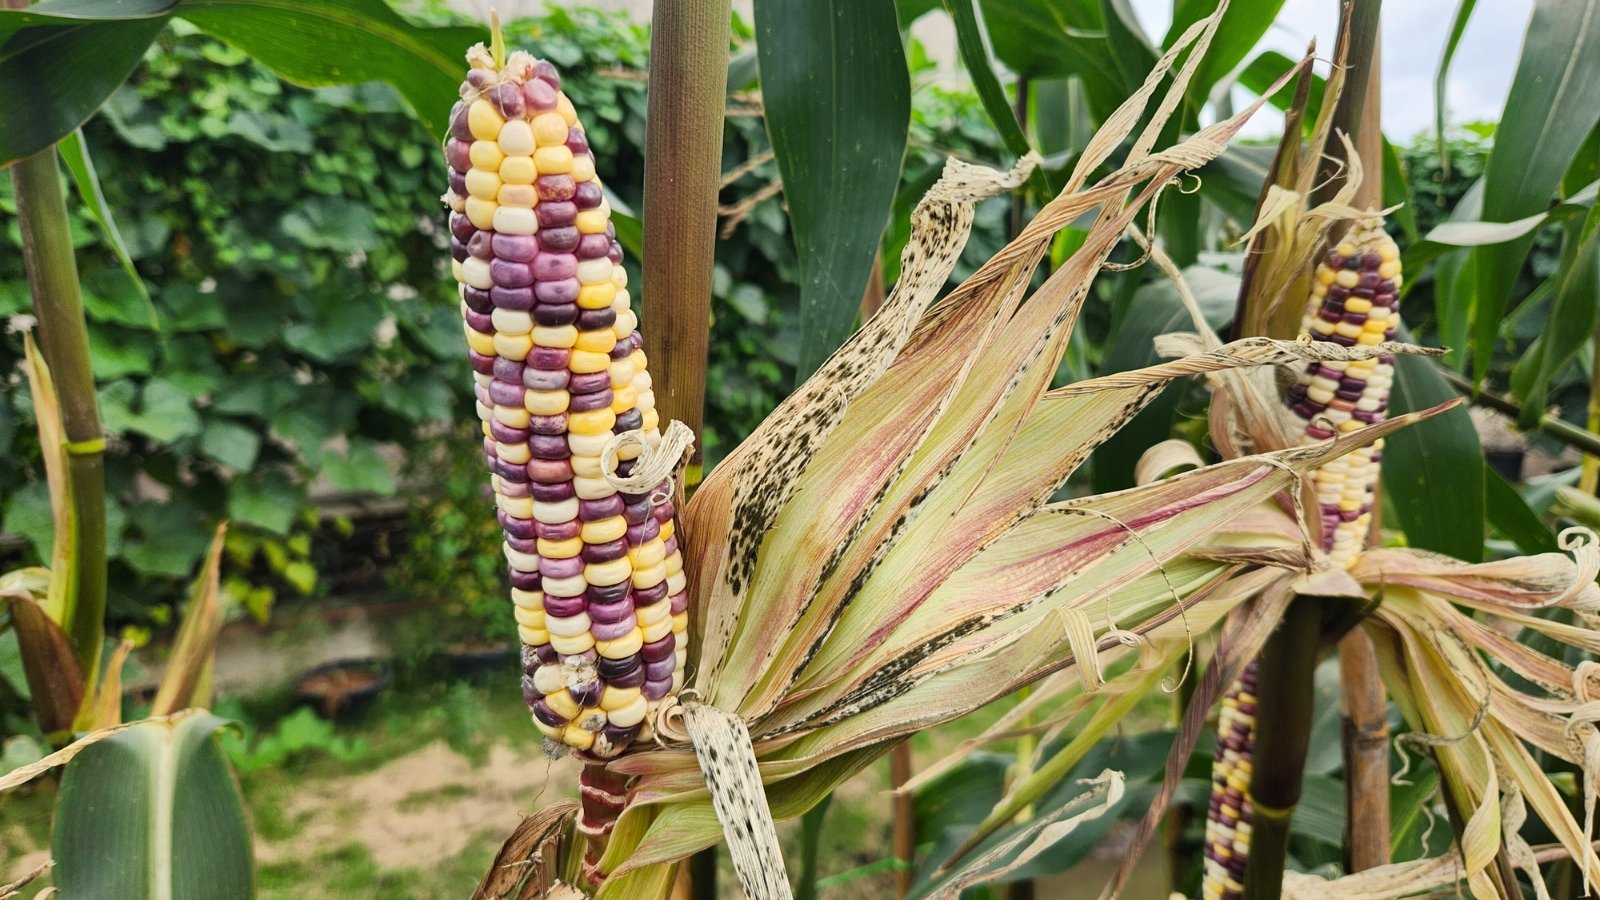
(64, 340)
(1283, 735)
(1582, 440)
(683, 141)
(905, 822)
(1366, 753)
(1589, 481)
(1365, 707)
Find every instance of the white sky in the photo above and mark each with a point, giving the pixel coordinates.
(1414, 33)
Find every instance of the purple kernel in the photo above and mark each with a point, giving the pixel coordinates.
(458, 154)
(556, 313)
(550, 493)
(545, 379)
(561, 568)
(632, 420)
(647, 530)
(508, 99)
(457, 182)
(461, 227)
(505, 393)
(518, 528)
(587, 402)
(577, 141)
(622, 350)
(549, 357)
(655, 690)
(510, 471)
(508, 370)
(611, 612)
(543, 712)
(605, 552)
(510, 274)
(588, 694)
(524, 581)
(608, 593)
(554, 266)
(563, 291)
(651, 595)
(480, 245)
(659, 650)
(604, 508)
(552, 425)
(561, 531)
(546, 654)
(593, 246)
(637, 512)
(505, 434)
(458, 251)
(588, 195)
(564, 607)
(680, 602)
(515, 247)
(549, 446)
(518, 489)
(1371, 260)
(556, 213)
(519, 299)
(549, 471)
(522, 546)
(659, 670)
(597, 319)
(591, 382)
(616, 253)
(458, 122)
(555, 188)
(479, 322)
(618, 736)
(544, 71)
(612, 630)
(559, 240)
(539, 95)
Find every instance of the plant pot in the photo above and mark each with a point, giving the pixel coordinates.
(470, 658)
(344, 686)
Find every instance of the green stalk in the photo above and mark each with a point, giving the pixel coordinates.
(683, 143)
(64, 340)
(1284, 706)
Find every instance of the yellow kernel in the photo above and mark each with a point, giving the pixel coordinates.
(613, 698)
(521, 507)
(622, 398)
(516, 138)
(549, 130)
(650, 420)
(621, 648)
(588, 444)
(587, 466)
(596, 296)
(1347, 278)
(658, 630)
(631, 714)
(650, 577)
(1370, 338)
(511, 321)
(1325, 275)
(517, 195)
(674, 563)
(655, 612)
(614, 571)
(1389, 269)
(480, 212)
(511, 417)
(458, 272)
(546, 403)
(604, 531)
(480, 343)
(560, 336)
(533, 637)
(592, 421)
(514, 220)
(516, 454)
(667, 530)
(622, 372)
(567, 646)
(564, 107)
(567, 626)
(528, 600)
(560, 549)
(518, 170)
(594, 271)
(591, 487)
(513, 346)
(647, 554)
(582, 167)
(561, 701)
(484, 120)
(590, 221)
(485, 155)
(680, 623)
(596, 341)
(553, 160)
(530, 618)
(577, 738)
(584, 362)
(1358, 305)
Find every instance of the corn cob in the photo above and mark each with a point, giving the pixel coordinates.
(1355, 301)
(596, 576)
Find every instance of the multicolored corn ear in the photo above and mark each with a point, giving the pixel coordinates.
(597, 580)
(1355, 300)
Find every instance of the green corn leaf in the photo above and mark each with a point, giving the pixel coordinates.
(1441, 78)
(975, 56)
(1553, 105)
(839, 158)
(1510, 515)
(1575, 290)
(160, 800)
(1243, 26)
(75, 153)
(1433, 471)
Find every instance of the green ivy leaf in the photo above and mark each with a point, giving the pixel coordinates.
(362, 469)
(230, 443)
(331, 223)
(164, 411)
(268, 502)
(168, 540)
